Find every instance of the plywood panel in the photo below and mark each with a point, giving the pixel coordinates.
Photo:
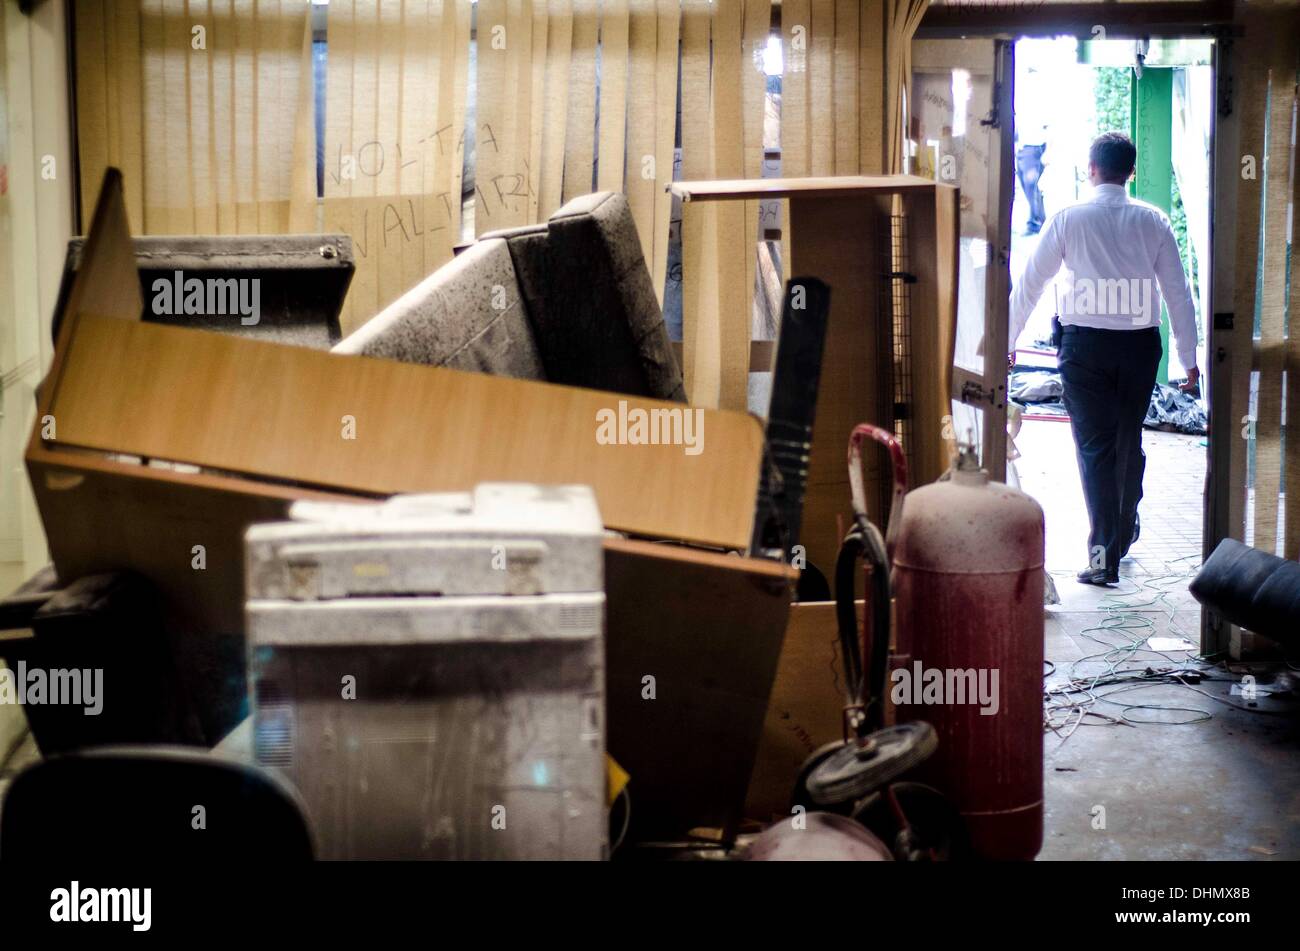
(280, 412)
(932, 233)
(708, 629)
(836, 240)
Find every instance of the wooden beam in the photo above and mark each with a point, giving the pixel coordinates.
(1121, 20)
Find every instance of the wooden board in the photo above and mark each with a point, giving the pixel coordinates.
(102, 515)
(708, 629)
(839, 241)
(283, 413)
(707, 626)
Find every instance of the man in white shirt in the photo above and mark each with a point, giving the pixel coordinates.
(1116, 253)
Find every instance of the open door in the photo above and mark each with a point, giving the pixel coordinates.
(960, 128)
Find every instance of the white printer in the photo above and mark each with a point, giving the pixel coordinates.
(428, 671)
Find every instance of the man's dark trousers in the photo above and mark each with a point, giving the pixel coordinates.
(1108, 376)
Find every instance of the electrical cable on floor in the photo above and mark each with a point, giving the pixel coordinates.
(1074, 703)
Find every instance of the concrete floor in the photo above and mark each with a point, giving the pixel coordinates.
(1226, 787)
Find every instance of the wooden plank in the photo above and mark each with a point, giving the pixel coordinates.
(107, 283)
(280, 412)
(1175, 18)
(708, 630)
(102, 516)
(836, 239)
(932, 234)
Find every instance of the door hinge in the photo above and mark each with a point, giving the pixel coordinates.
(972, 392)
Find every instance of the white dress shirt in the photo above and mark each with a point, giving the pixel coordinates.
(1116, 253)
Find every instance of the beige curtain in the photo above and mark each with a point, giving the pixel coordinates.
(201, 104)
(722, 137)
(902, 17)
(1266, 202)
(571, 95)
(394, 140)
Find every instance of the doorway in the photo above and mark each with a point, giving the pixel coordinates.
(1160, 93)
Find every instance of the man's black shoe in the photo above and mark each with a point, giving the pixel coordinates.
(1097, 576)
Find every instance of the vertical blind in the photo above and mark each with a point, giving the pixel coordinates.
(1268, 193)
(200, 103)
(566, 96)
(395, 107)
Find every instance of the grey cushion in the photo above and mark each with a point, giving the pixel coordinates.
(591, 302)
(569, 301)
(467, 315)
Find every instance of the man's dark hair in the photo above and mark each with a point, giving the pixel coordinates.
(1114, 154)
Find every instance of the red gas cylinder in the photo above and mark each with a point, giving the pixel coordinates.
(968, 580)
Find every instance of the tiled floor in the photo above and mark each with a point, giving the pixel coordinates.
(1170, 512)
(1205, 776)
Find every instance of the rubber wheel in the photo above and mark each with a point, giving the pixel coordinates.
(801, 796)
(850, 772)
(935, 830)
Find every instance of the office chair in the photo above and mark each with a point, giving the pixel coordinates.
(151, 803)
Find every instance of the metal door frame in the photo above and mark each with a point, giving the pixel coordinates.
(987, 390)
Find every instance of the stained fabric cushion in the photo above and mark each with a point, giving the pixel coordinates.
(590, 301)
(467, 315)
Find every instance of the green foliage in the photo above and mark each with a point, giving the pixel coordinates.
(1114, 99)
(1178, 219)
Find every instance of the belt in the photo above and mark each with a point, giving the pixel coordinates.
(1074, 329)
